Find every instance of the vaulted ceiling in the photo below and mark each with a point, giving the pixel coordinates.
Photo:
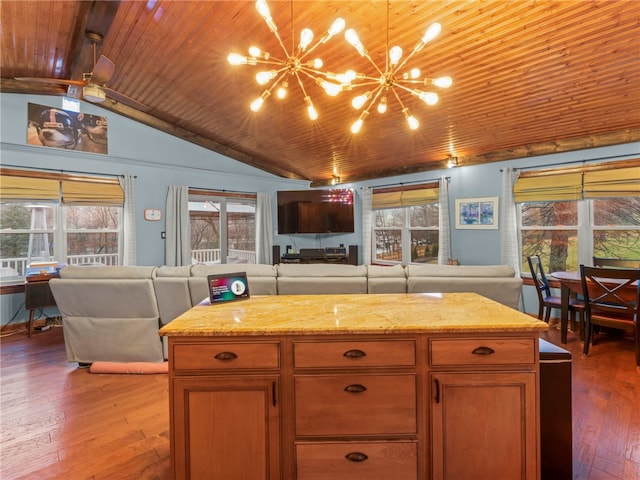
(529, 77)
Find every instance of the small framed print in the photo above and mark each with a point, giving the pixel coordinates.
(477, 213)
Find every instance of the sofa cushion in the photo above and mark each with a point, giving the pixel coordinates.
(96, 273)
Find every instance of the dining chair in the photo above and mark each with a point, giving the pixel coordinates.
(616, 262)
(612, 299)
(546, 301)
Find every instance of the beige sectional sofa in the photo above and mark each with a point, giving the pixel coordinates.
(114, 313)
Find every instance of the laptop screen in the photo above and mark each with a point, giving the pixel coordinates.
(228, 287)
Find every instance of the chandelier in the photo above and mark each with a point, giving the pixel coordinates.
(293, 66)
(389, 82)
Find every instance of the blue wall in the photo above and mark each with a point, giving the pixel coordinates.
(159, 160)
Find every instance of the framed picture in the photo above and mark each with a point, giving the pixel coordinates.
(477, 213)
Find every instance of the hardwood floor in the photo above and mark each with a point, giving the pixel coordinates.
(61, 422)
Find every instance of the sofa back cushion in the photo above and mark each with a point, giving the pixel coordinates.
(460, 271)
(386, 279)
(319, 279)
(94, 273)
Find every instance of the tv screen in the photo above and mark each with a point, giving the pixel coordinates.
(315, 211)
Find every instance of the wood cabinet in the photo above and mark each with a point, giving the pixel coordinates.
(356, 410)
(375, 407)
(483, 408)
(225, 412)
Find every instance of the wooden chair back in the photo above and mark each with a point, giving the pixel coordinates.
(616, 262)
(611, 294)
(539, 278)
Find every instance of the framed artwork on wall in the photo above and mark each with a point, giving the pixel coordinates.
(477, 213)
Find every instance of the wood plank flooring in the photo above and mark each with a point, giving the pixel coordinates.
(61, 422)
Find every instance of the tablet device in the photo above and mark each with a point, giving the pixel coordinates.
(228, 287)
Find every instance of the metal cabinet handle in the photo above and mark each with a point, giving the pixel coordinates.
(356, 457)
(483, 351)
(355, 388)
(226, 356)
(436, 384)
(355, 353)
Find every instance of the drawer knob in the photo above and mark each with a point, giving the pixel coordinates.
(226, 356)
(483, 351)
(355, 388)
(356, 457)
(355, 353)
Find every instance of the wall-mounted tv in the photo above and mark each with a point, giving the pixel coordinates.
(315, 211)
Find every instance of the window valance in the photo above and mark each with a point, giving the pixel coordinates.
(398, 197)
(610, 179)
(64, 188)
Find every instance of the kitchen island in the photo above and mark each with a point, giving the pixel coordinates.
(402, 386)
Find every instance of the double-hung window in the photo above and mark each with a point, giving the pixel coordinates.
(58, 218)
(223, 227)
(405, 227)
(570, 216)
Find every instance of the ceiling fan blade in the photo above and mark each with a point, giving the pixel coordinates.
(128, 101)
(102, 71)
(57, 81)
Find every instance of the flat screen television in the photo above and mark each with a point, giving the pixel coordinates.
(315, 211)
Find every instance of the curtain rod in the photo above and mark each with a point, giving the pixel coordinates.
(221, 190)
(399, 184)
(79, 172)
(574, 162)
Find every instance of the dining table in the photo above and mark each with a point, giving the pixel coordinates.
(570, 284)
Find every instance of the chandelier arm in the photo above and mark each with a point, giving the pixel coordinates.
(284, 49)
(304, 92)
(275, 82)
(398, 98)
(403, 62)
(406, 89)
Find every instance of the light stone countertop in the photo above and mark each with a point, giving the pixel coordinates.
(352, 314)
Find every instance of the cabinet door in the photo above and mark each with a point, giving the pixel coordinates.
(484, 425)
(225, 428)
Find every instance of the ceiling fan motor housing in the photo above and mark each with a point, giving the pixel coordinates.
(93, 93)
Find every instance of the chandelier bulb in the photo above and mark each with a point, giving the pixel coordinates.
(311, 111)
(395, 54)
(263, 10)
(443, 82)
(263, 77)
(336, 27)
(382, 106)
(317, 63)
(357, 125)
(306, 36)
(256, 105)
(255, 51)
(282, 90)
(432, 32)
(352, 37)
(411, 120)
(237, 59)
(331, 89)
(359, 101)
(430, 98)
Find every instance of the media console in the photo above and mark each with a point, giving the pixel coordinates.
(341, 254)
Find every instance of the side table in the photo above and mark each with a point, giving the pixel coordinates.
(37, 294)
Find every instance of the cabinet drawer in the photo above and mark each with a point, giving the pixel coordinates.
(482, 351)
(355, 404)
(357, 461)
(225, 356)
(355, 354)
